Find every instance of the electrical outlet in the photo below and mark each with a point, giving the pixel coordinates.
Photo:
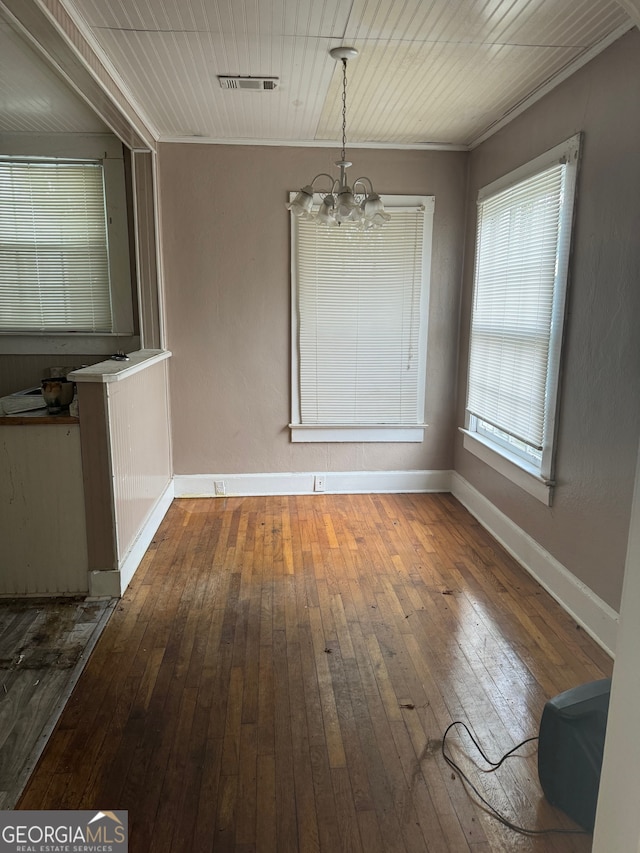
(318, 483)
(220, 487)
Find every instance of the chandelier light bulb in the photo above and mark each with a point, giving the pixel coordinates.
(373, 209)
(326, 216)
(302, 203)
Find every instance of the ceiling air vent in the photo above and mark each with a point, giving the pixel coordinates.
(254, 84)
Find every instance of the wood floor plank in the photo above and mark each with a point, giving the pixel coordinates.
(286, 816)
(204, 835)
(247, 786)
(346, 811)
(307, 821)
(331, 722)
(266, 832)
(279, 675)
(375, 741)
(342, 676)
(370, 832)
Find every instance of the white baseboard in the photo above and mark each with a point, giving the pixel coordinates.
(137, 551)
(113, 582)
(302, 483)
(597, 618)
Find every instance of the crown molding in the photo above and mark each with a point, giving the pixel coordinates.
(551, 83)
(317, 143)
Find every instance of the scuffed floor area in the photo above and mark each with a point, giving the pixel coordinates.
(44, 646)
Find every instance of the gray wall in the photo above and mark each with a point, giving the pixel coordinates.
(587, 527)
(226, 249)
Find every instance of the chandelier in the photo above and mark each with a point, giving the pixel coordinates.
(340, 203)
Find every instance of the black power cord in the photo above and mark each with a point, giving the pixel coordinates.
(494, 766)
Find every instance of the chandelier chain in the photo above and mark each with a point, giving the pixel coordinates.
(344, 109)
(359, 204)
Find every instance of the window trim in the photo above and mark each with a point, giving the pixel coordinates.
(366, 432)
(537, 482)
(511, 466)
(357, 432)
(107, 149)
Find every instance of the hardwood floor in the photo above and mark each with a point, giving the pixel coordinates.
(281, 671)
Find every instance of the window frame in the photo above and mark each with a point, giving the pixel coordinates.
(107, 149)
(402, 432)
(515, 465)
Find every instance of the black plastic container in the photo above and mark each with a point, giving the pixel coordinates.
(572, 732)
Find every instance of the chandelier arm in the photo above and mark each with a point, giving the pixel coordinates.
(360, 180)
(332, 180)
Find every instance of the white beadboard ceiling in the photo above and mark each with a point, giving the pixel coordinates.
(430, 72)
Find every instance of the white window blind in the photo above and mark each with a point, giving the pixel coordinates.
(515, 302)
(54, 266)
(361, 322)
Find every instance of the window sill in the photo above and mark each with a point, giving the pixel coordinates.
(357, 432)
(510, 466)
(71, 343)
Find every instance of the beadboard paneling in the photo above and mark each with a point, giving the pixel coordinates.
(138, 421)
(42, 523)
(440, 72)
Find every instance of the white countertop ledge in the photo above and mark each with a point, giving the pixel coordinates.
(114, 371)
